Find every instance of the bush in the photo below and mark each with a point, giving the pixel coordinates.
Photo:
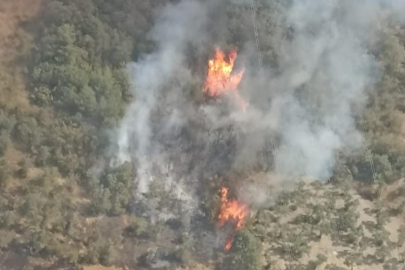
(4, 173)
(4, 143)
(182, 255)
(244, 254)
(5, 238)
(42, 157)
(24, 167)
(137, 227)
(118, 181)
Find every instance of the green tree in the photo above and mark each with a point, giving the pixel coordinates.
(244, 254)
(4, 173)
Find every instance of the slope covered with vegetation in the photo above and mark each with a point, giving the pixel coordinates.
(64, 87)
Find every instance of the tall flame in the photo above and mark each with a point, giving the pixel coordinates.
(231, 211)
(220, 79)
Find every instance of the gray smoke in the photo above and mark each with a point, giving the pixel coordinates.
(175, 28)
(325, 72)
(302, 109)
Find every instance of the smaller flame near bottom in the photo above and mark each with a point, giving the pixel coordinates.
(232, 212)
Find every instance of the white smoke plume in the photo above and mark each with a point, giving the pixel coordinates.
(175, 28)
(322, 88)
(303, 109)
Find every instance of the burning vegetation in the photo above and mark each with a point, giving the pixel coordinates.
(222, 80)
(234, 212)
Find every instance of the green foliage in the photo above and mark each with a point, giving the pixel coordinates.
(112, 194)
(42, 158)
(73, 147)
(101, 201)
(346, 221)
(244, 254)
(183, 255)
(64, 143)
(78, 63)
(4, 173)
(7, 219)
(98, 251)
(24, 167)
(294, 245)
(333, 267)
(7, 124)
(320, 259)
(137, 227)
(5, 238)
(27, 133)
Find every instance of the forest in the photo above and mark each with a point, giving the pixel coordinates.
(68, 202)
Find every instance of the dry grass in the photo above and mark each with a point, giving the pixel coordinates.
(13, 13)
(331, 249)
(15, 42)
(100, 267)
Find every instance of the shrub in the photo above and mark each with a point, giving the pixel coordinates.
(244, 254)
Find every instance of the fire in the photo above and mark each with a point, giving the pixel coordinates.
(231, 211)
(220, 79)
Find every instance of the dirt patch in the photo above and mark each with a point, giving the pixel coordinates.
(12, 14)
(100, 267)
(15, 42)
(195, 267)
(12, 261)
(402, 130)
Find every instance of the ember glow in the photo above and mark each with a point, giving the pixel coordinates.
(234, 212)
(220, 79)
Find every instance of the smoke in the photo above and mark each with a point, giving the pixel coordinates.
(322, 88)
(175, 28)
(303, 104)
(326, 72)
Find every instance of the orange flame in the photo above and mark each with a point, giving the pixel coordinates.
(220, 79)
(231, 211)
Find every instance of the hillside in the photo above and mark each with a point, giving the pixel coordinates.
(141, 134)
(15, 42)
